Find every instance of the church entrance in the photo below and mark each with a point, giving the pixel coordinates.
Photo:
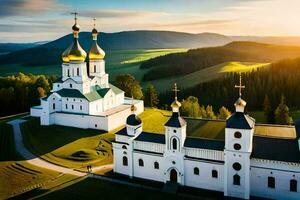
(173, 175)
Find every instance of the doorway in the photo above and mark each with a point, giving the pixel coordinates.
(173, 175)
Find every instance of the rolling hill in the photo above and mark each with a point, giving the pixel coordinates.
(49, 53)
(197, 59)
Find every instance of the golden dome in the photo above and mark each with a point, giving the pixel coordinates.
(96, 53)
(240, 102)
(176, 104)
(74, 52)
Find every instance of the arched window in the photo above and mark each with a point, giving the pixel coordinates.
(125, 161)
(77, 71)
(174, 143)
(66, 106)
(68, 73)
(196, 171)
(214, 173)
(53, 106)
(94, 68)
(293, 185)
(124, 147)
(71, 85)
(80, 107)
(271, 182)
(236, 180)
(141, 163)
(72, 107)
(156, 165)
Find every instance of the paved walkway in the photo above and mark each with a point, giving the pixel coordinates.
(32, 159)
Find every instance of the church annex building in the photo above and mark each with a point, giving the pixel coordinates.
(242, 165)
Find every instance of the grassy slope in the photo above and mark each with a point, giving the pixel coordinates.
(205, 75)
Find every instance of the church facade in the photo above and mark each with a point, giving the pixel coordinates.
(83, 97)
(241, 165)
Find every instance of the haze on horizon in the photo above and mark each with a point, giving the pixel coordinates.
(43, 20)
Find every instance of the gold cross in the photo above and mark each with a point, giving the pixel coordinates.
(94, 22)
(240, 86)
(75, 16)
(175, 90)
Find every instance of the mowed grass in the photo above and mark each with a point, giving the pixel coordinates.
(204, 75)
(67, 146)
(20, 178)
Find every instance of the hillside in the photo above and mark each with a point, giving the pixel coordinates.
(49, 53)
(197, 59)
(11, 47)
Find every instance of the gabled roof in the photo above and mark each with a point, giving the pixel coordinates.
(115, 89)
(151, 137)
(240, 121)
(73, 93)
(175, 121)
(204, 143)
(278, 149)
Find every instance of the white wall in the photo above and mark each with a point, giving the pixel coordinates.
(204, 179)
(282, 172)
(77, 103)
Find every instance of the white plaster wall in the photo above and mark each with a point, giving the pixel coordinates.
(204, 153)
(148, 171)
(204, 179)
(148, 146)
(282, 172)
(36, 111)
(76, 102)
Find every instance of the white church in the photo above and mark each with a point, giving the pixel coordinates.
(243, 165)
(83, 97)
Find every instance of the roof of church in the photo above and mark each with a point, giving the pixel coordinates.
(240, 120)
(204, 143)
(133, 120)
(175, 121)
(278, 149)
(123, 131)
(70, 93)
(151, 137)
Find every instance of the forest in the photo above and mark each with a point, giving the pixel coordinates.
(197, 59)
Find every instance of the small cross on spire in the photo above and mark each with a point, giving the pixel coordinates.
(240, 86)
(94, 19)
(75, 16)
(175, 90)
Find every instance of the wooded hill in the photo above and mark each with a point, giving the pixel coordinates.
(196, 59)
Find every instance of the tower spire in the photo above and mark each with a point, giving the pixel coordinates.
(75, 16)
(176, 104)
(240, 103)
(175, 90)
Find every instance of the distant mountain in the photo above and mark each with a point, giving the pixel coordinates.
(49, 53)
(11, 47)
(284, 40)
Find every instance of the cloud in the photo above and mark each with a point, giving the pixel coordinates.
(27, 7)
(118, 13)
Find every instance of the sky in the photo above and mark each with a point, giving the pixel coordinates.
(45, 20)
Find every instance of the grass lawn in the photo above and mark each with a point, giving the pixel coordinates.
(96, 189)
(66, 146)
(205, 75)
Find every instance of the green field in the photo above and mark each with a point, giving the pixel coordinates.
(117, 61)
(205, 75)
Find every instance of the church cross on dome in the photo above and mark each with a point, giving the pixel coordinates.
(94, 19)
(240, 86)
(175, 90)
(75, 16)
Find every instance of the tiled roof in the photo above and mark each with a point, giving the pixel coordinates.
(151, 137)
(175, 121)
(203, 143)
(240, 121)
(278, 149)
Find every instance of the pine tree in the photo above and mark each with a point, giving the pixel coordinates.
(282, 113)
(224, 113)
(202, 113)
(268, 112)
(129, 85)
(151, 96)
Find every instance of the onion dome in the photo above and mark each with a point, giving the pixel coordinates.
(74, 52)
(96, 53)
(133, 120)
(176, 104)
(240, 102)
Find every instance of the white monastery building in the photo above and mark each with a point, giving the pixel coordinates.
(241, 165)
(83, 97)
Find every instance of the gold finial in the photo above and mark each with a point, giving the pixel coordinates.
(175, 90)
(240, 86)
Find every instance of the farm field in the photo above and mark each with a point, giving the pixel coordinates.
(205, 75)
(117, 61)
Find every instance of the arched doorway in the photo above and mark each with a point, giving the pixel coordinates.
(173, 175)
